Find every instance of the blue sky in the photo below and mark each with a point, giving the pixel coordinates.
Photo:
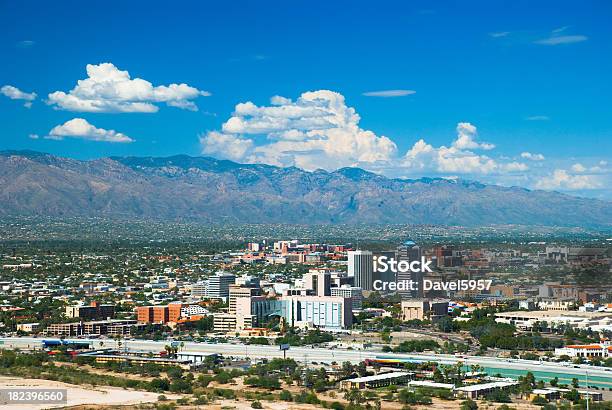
(508, 92)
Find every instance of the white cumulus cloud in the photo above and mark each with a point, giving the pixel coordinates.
(15, 93)
(318, 130)
(459, 157)
(80, 128)
(515, 167)
(562, 179)
(108, 89)
(466, 138)
(226, 145)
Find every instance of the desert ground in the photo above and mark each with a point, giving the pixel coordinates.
(76, 395)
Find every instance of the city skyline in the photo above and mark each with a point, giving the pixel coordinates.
(339, 205)
(506, 95)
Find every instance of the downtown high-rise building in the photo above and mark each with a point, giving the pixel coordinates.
(218, 285)
(319, 281)
(409, 251)
(360, 267)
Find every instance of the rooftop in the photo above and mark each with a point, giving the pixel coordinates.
(537, 314)
(426, 383)
(486, 386)
(382, 376)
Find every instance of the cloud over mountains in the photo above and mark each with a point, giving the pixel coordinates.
(319, 130)
(108, 89)
(80, 128)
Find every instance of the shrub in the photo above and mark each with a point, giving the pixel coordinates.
(285, 395)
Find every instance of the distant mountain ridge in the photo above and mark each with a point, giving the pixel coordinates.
(211, 190)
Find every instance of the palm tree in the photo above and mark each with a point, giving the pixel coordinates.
(445, 370)
(476, 368)
(457, 369)
(354, 396)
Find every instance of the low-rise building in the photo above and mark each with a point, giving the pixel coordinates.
(106, 358)
(545, 320)
(28, 327)
(170, 313)
(424, 309)
(94, 328)
(544, 393)
(378, 380)
(93, 311)
(476, 391)
(430, 385)
(593, 350)
(351, 292)
(224, 322)
(64, 329)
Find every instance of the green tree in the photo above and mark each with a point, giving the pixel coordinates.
(447, 325)
(539, 401)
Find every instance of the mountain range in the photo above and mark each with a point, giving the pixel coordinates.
(221, 191)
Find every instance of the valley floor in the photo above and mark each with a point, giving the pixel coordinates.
(77, 395)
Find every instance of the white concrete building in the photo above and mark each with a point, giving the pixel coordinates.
(550, 319)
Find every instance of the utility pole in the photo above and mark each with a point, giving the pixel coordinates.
(587, 391)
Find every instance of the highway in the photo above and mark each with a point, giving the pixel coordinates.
(506, 367)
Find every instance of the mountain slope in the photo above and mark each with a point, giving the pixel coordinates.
(206, 189)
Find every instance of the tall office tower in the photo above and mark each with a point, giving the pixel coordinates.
(218, 285)
(199, 289)
(360, 267)
(409, 251)
(236, 292)
(318, 280)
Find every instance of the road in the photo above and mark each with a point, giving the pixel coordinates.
(326, 355)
